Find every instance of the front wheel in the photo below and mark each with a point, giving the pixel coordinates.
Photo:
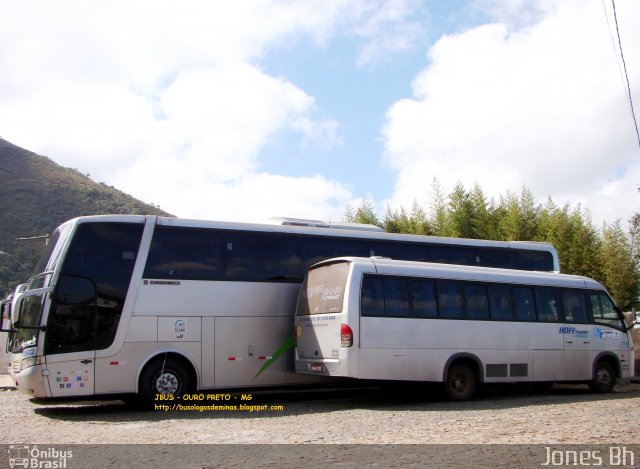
(165, 380)
(460, 384)
(604, 378)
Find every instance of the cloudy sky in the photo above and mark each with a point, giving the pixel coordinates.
(242, 110)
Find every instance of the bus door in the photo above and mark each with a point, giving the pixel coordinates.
(577, 336)
(70, 337)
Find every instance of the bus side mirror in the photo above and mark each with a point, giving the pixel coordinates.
(16, 304)
(19, 301)
(634, 319)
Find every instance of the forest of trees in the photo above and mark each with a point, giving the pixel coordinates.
(609, 254)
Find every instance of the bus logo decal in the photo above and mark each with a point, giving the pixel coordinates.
(605, 334)
(180, 328)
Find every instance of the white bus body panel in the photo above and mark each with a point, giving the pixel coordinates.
(203, 298)
(318, 349)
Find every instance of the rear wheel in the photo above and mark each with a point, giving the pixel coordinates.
(460, 384)
(604, 378)
(168, 378)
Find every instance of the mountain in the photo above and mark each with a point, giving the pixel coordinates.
(36, 195)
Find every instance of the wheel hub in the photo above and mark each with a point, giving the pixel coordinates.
(167, 383)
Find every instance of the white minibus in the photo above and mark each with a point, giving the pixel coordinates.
(382, 319)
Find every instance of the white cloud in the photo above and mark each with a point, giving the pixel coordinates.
(166, 101)
(389, 28)
(226, 115)
(541, 106)
(252, 196)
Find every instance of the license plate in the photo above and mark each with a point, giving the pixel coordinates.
(316, 367)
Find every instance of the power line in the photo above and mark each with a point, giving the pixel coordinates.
(624, 65)
(16, 260)
(613, 44)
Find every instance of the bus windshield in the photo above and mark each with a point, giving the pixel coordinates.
(25, 333)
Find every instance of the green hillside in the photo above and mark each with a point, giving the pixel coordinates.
(36, 195)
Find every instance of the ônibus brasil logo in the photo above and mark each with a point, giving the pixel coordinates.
(33, 457)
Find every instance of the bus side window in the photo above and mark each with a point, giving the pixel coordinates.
(450, 304)
(316, 249)
(372, 298)
(574, 307)
(424, 302)
(500, 258)
(399, 251)
(396, 299)
(500, 301)
(477, 301)
(453, 255)
(604, 311)
(185, 253)
(525, 306)
(253, 256)
(533, 260)
(546, 304)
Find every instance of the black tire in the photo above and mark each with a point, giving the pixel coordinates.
(460, 384)
(168, 377)
(604, 378)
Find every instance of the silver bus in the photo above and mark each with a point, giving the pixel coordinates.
(384, 319)
(152, 305)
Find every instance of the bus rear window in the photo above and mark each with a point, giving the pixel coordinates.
(323, 290)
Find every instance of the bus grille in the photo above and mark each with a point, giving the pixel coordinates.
(519, 370)
(497, 371)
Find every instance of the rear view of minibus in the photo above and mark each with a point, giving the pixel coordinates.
(323, 338)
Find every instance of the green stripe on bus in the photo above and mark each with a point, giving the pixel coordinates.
(284, 347)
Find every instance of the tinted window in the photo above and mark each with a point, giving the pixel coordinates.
(372, 299)
(396, 300)
(400, 251)
(453, 255)
(423, 299)
(72, 328)
(318, 249)
(524, 304)
(533, 260)
(500, 301)
(499, 258)
(546, 304)
(450, 300)
(574, 306)
(185, 253)
(323, 290)
(477, 301)
(604, 311)
(100, 261)
(252, 256)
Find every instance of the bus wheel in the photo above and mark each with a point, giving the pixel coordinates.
(168, 378)
(604, 379)
(460, 384)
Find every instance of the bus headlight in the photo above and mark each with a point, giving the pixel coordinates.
(27, 363)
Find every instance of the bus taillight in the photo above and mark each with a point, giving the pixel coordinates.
(346, 336)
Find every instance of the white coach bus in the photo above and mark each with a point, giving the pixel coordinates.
(384, 319)
(153, 305)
